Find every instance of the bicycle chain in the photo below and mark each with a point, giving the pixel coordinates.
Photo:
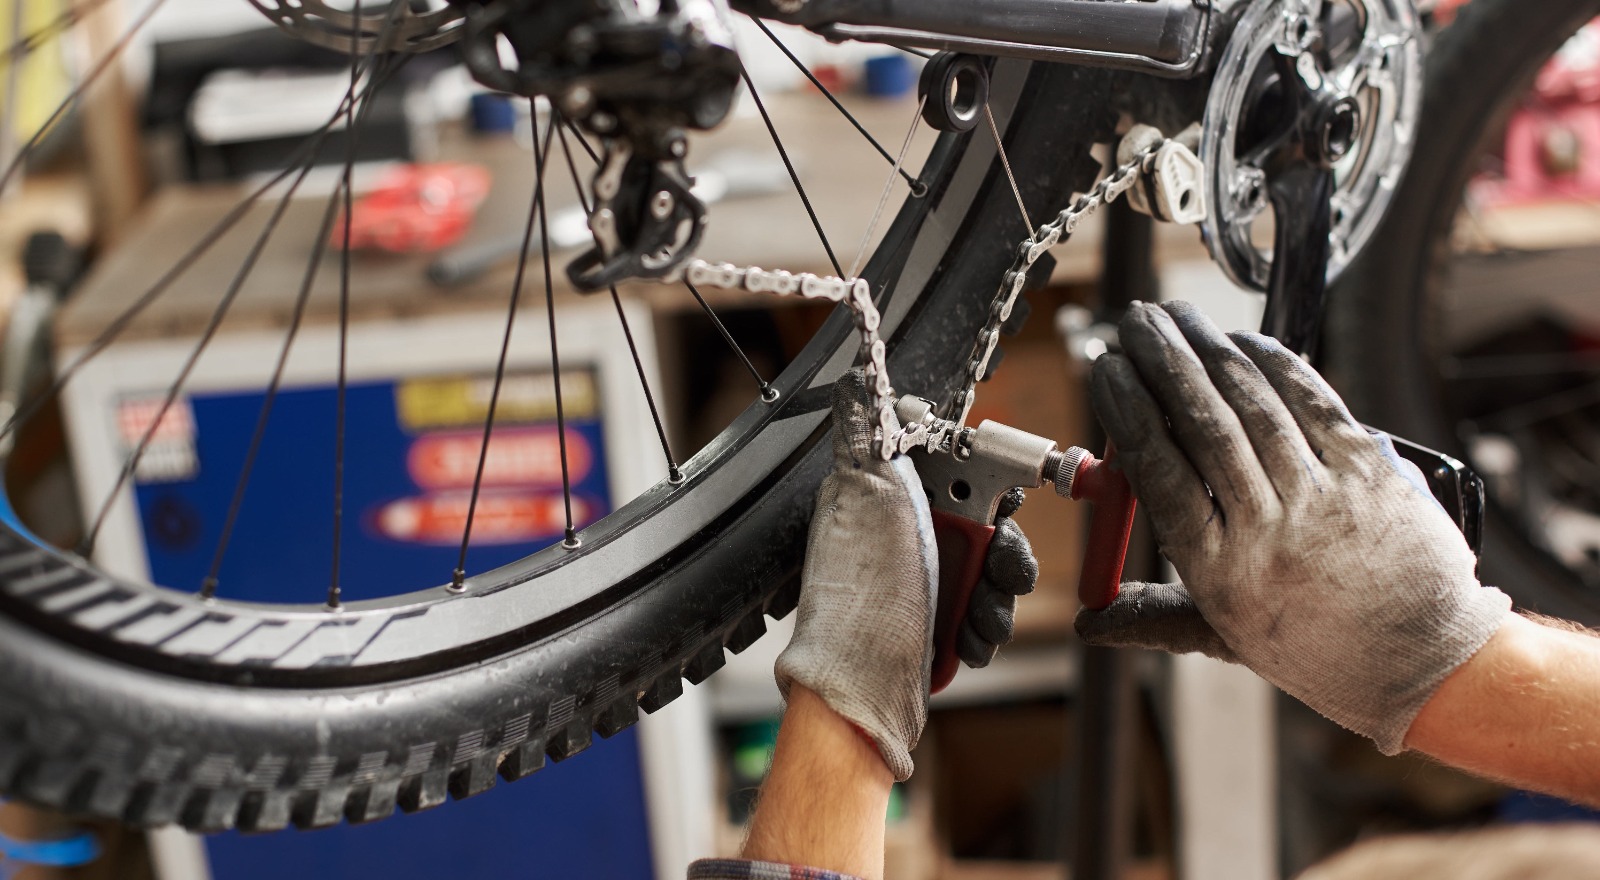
(932, 433)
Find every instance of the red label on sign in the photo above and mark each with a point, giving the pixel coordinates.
(517, 457)
(501, 518)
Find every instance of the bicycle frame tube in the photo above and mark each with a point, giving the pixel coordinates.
(1164, 37)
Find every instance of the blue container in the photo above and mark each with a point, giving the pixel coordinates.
(889, 76)
(492, 113)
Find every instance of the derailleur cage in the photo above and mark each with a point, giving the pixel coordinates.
(646, 219)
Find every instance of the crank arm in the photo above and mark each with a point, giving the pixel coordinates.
(965, 484)
(1165, 37)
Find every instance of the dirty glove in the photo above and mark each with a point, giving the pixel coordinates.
(1155, 617)
(1010, 570)
(863, 638)
(1315, 560)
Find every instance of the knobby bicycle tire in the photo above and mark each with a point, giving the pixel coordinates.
(1478, 69)
(122, 702)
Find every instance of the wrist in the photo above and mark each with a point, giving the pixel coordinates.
(1511, 658)
(884, 708)
(824, 799)
(838, 742)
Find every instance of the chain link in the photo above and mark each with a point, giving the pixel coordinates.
(856, 293)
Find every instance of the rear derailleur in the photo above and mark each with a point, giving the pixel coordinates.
(637, 80)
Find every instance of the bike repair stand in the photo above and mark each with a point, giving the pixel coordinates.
(1101, 822)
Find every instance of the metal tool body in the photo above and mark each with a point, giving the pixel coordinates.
(965, 480)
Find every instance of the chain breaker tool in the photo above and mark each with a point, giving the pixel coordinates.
(966, 470)
(965, 483)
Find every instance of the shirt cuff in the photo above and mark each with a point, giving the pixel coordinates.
(743, 869)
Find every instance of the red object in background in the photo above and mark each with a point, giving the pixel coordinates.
(416, 208)
(528, 456)
(1552, 145)
(502, 517)
(832, 77)
(1444, 11)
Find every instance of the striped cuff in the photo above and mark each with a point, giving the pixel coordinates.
(742, 869)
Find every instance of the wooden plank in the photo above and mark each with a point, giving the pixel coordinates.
(111, 129)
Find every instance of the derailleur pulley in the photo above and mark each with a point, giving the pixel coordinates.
(636, 79)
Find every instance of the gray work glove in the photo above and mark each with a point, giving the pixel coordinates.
(1301, 541)
(863, 637)
(1010, 570)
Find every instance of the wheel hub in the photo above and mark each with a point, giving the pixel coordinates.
(402, 30)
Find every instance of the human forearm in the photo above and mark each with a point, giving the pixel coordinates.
(1524, 710)
(824, 800)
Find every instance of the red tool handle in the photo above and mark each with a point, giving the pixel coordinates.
(963, 547)
(1110, 526)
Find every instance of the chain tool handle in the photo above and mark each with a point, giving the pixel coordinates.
(1103, 485)
(963, 549)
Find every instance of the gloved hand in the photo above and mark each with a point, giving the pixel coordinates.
(1010, 570)
(863, 638)
(1316, 562)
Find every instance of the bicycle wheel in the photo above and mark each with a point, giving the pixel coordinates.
(156, 705)
(1460, 331)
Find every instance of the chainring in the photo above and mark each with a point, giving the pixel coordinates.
(1372, 50)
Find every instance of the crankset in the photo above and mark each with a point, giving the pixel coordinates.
(1311, 113)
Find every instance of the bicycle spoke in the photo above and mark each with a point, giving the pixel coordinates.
(793, 175)
(674, 475)
(208, 587)
(13, 71)
(352, 136)
(297, 160)
(79, 90)
(458, 577)
(571, 540)
(22, 46)
(888, 187)
(768, 393)
(577, 135)
(917, 187)
(1000, 147)
(217, 316)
